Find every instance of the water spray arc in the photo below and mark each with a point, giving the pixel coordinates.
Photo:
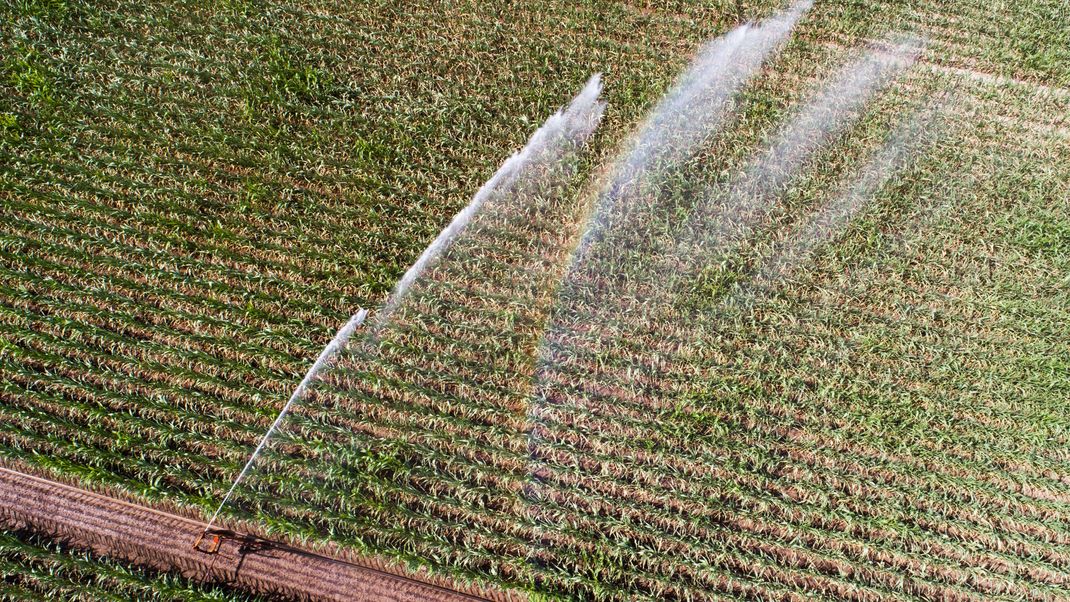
(629, 205)
(565, 128)
(693, 108)
(326, 356)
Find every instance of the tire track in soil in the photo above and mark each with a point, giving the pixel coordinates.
(163, 541)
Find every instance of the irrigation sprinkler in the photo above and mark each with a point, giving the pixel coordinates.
(213, 543)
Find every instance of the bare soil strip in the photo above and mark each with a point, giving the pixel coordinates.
(163, 541)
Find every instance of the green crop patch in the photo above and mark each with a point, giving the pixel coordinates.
(861, 397)
(29, 76)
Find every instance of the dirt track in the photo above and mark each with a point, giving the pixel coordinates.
(164, 541)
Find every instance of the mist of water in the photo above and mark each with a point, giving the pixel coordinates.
(592, 316)
(834, 216)
(722, 220)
